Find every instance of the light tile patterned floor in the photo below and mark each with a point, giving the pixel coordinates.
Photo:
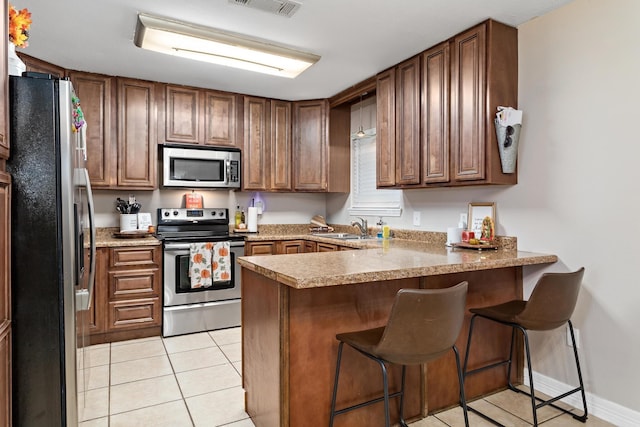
(195, 381)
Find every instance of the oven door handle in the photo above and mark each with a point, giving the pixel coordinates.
(186, 246)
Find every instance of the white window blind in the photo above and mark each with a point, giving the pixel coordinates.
(366, 199)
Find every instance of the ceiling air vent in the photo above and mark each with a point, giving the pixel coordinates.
(277, 7)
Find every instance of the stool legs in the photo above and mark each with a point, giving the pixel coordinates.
(534, 405)
(335, 385)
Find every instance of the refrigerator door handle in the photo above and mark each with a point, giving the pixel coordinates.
(92, 237)
(84, 296)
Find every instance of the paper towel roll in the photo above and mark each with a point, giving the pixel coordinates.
(252, 220)
(454, 235)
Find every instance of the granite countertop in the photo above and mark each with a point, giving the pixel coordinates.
(380, 260)
(105, 239)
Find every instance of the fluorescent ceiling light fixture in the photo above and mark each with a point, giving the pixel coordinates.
(219, 47)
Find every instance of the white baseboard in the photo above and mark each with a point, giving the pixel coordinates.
(596, 406)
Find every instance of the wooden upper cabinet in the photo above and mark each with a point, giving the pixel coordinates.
(97, 98)
(40, 66)
(386, 128)
(310, 148)
(468, 110)
(255, 154)
(408, 122)
(484, 75)
(280, 146)
(220, 116)
(137, 153)
(182, 114)
(198, 116)
(435, 114)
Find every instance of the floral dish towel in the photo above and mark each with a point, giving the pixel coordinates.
(200, 265)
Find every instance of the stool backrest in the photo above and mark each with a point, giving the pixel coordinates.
(552, 301)
(423, 324)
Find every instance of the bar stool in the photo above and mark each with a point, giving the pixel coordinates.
(423, 325)
(550, 306)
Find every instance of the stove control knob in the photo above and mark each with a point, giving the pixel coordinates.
(175, 213)
(166, 213)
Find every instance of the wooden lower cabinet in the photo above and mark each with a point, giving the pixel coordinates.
(326, 247)
(127, 297)
(5, 377)
(259, 248)
(310, 246)
(290, 247)
(284, 247)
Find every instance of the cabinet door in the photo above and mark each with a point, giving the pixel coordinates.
(96, 97)
(468, 96)
(310, 246)
(220, 118)
(310, 145)
(435, 114)
(408, 122)
(97, 315)
(255, 155)
(259, 248)
(386, 129)
(280, 147)
(326, 247)
(182, 115)
(137, 150)
(291, 247)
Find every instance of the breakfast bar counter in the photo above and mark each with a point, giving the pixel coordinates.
(294, 305)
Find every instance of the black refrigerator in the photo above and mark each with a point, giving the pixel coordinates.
(52, 251)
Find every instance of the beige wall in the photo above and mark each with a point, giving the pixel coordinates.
(578, 195)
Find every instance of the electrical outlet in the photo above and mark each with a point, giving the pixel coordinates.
(576, 333)
(463, 218)
(416, 218)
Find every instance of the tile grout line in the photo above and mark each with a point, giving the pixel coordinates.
(175, 377)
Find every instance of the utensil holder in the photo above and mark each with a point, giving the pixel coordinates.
(128, 222)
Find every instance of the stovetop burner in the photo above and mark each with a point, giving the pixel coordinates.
(194, 225)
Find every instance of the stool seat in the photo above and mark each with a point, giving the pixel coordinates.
(423, 325)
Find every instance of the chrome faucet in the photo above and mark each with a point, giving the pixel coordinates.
(362, 226)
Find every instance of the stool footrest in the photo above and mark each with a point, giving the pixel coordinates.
(367, 403)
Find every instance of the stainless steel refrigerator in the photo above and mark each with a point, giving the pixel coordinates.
(52, 251)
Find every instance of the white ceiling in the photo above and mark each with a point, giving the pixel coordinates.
(355, 38)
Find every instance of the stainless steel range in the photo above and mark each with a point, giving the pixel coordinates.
(187, 310)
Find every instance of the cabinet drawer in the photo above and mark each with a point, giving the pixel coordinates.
(133, 256)
(133, 283)
(134, 314)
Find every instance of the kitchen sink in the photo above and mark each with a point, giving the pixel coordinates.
(343, 236)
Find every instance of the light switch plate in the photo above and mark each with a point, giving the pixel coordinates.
(416, 218)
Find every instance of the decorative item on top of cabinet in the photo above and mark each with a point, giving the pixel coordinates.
(137, 153)
(97, 95)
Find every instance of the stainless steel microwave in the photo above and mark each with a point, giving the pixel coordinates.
(200, 167)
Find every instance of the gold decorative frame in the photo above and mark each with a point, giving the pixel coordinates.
(478, 211)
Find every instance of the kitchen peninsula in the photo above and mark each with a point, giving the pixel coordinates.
(293, 305)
